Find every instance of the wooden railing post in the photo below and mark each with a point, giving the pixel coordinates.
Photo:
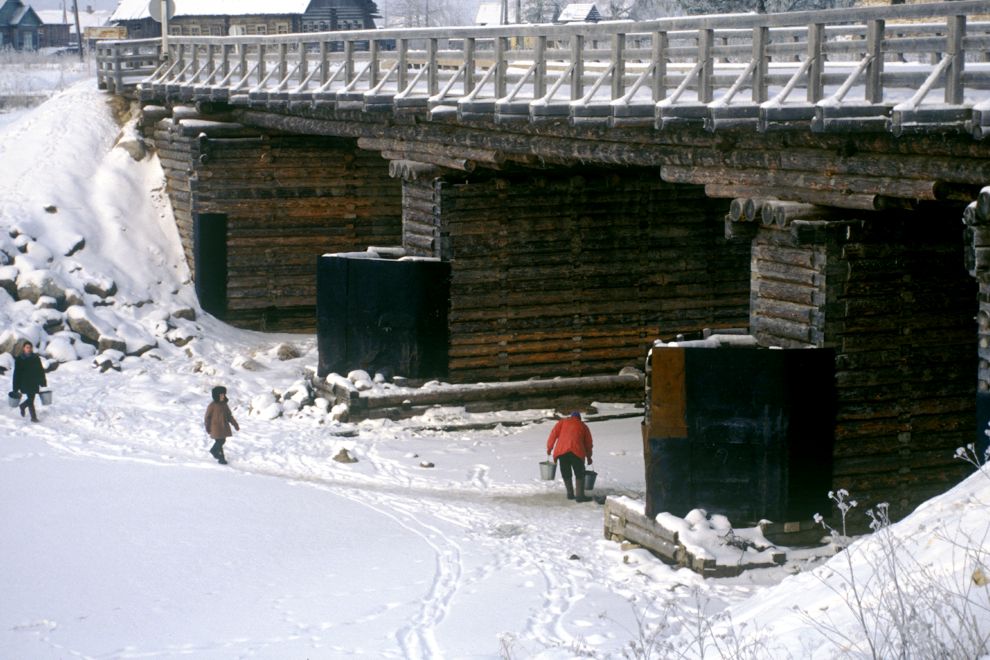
(195, 60)
(706, 77)
(432, 77)
(118, 74)
(324, 63)
(659, 82)
(374, 66)
(303, 61)
(502, 68)
(283, 60)
(816, 53)
(348, 60)
(211, 65)
(225, 64)
(402, 67)
(618, 65)
(470, 65)
(577, 71)
(761, 56)
(954, 49)
(262, 64)
(180, 58)
(874, 70)
(540, 73)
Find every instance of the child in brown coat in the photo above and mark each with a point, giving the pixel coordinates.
(218, 422)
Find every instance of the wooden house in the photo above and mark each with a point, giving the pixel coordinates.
(247, 17)
(19, 26)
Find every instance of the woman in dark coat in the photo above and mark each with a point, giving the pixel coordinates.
(29, 377)
(218, 421)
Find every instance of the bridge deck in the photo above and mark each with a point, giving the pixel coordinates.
(906, 69)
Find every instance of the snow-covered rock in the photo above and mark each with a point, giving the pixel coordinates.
(247, 364)
(266, 406)
(100, 286)
(340, 412)
(32, 285)
(285, 352)
(61, 349)
(8, 279)
(49, 318)
(361, 379)
(107, 360)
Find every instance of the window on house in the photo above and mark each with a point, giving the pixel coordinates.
(216, 30)
(194, 30)
(282, 28)
(261, 29)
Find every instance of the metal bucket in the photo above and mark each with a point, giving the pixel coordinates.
(589, 479)
(13, 400)
(548, 470)
(46, 397)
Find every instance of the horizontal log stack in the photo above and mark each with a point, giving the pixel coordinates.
(574, 274)
(287, 198)
(888, 292)
(976, 219)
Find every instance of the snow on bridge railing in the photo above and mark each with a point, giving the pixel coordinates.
(905, 68)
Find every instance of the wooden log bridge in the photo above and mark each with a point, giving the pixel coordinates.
(905, 68)
(595, 187)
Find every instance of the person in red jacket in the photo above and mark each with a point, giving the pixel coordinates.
(570, 445)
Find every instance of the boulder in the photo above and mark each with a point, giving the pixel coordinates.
(247, 364)
(86, 323)
(136, 340)
(286, 352)
(340, 412)
(107, 360)
(101, 286)
(74, 297)
(344, 456)
(32, 285)
(50, 319)
(8, 279)
(133, 145)
(61, 349)
(186, 313)
(111, 343)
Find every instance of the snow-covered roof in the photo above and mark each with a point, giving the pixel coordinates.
(133, 10)
(579, 12)
(490, 13)
(97, 18)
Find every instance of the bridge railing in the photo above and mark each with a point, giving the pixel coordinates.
(904, 68)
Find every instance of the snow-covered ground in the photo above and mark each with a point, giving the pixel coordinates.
(121, 538)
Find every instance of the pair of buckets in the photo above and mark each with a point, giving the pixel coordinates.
(13, 400)
(548, 470)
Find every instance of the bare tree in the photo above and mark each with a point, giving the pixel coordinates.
(426, 13)
(639, 10)
(541, 11)
(758, 6)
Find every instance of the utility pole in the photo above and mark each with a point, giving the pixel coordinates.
(79, 40)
